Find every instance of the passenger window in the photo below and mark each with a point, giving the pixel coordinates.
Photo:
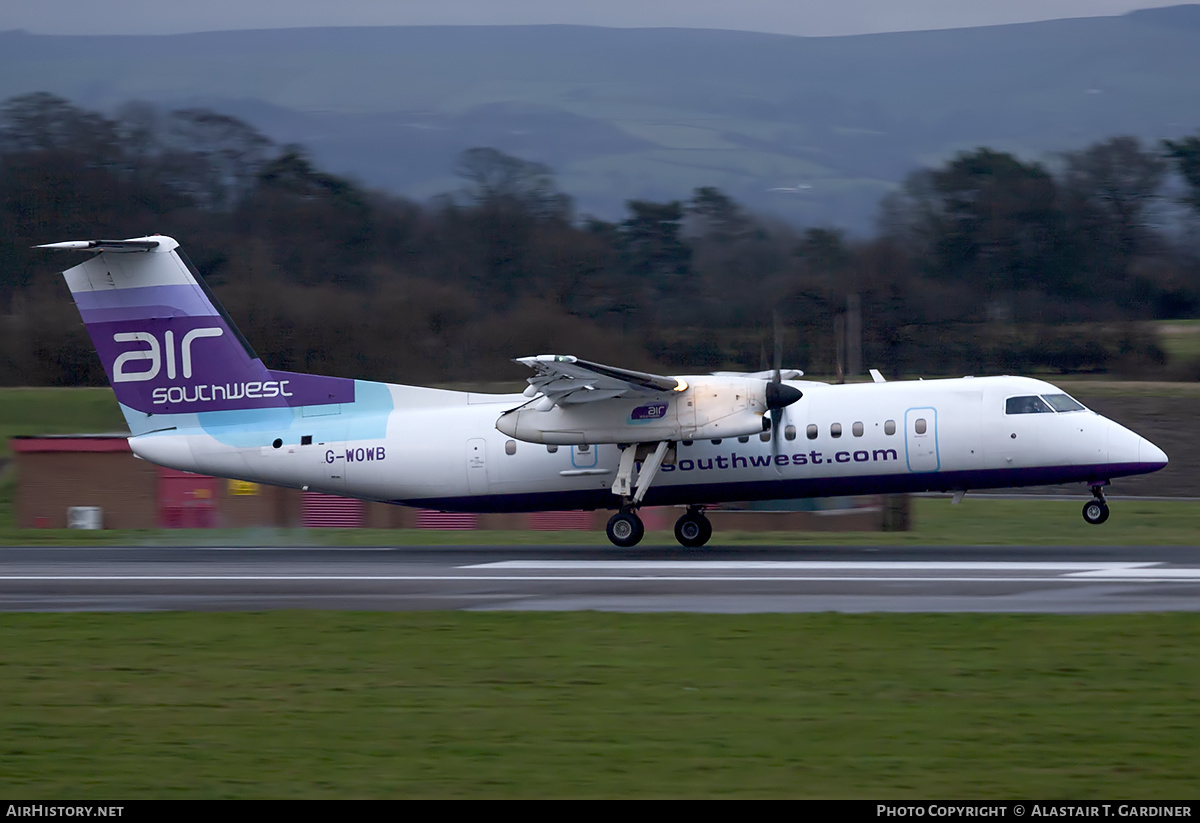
(919, 426)
(811, 431)
(510, 447)
(835, 430)
(745, 438)
(857, 429)
(889, 427)
(552, 448)
(765, 437)
(1027, 405)
(584, 449)
(789, 432)
(717, 442)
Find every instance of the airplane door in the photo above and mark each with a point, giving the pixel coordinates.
(477, 466)
(920, 439)
(585, 457)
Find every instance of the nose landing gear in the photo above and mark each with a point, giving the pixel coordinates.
(1096, 511)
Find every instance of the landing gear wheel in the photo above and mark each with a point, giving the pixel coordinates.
(1095, 512)
(625, 529)
(693, 530)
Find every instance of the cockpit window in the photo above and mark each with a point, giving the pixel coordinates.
(1027, 405)
(1063, 402)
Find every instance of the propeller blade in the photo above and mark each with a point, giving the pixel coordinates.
(776, 419)
(778, 344)
(778, 396)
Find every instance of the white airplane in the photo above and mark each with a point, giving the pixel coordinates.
(581, 436)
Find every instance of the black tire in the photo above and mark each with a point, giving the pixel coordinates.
(1095, 512)
(693, 530)
(625, 529)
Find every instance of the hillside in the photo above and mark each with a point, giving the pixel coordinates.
(812, 129)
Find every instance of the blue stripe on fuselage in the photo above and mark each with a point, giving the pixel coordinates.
(364, 419)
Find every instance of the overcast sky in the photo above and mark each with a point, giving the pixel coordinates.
(804, 17)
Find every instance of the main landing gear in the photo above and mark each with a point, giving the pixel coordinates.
(692, 529)
(625, 528)
(1096, 511)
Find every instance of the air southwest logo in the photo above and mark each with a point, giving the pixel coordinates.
(176, 361)
(816, 458)
(648, 413)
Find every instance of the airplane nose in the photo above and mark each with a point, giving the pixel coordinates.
(1152, 454)
(1128, 448)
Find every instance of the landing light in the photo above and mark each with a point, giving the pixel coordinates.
(682, 385)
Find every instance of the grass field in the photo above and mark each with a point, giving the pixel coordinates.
(57, 411)
(1180, 339)
(335, 705)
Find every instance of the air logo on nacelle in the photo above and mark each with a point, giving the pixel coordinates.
(649, 413)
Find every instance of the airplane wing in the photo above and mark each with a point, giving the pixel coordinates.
(565, 380)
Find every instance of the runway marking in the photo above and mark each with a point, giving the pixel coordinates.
(808, 565)
(1135, 573)
(511, 578)
(1063, 573)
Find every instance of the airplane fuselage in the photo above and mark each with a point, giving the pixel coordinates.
(441, 449)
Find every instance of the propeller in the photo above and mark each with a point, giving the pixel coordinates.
(778, 395)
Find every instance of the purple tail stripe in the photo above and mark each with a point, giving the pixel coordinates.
(148, 301)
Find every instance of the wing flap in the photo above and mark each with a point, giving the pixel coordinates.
(567, 380)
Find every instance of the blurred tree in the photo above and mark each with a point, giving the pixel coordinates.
(720, 217)
(319, 225)
(223, 155)
(498, 179)
(1109, 187)
(991, 223)
(652, 245)
(1186, 154)
(43, 122)
(654, 256)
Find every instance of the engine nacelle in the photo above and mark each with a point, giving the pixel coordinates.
(709, 408)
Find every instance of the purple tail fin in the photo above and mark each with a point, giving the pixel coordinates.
(166, 345)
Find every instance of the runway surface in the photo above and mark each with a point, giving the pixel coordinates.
(1081, 579)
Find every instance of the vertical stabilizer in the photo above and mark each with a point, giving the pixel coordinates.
(167, 346)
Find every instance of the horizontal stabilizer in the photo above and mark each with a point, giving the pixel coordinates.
(102, 245)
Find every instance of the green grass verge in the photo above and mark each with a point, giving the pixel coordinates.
(1180, 339)
(335, 705)
(57, 411)
(977, 521)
